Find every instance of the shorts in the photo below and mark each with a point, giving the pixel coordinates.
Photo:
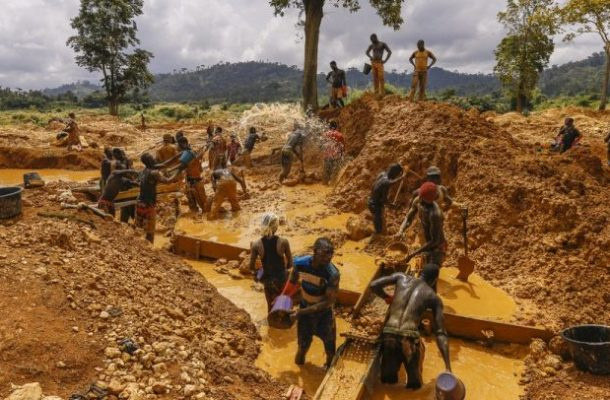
(397, 350)
(321, 324)
(146, 217)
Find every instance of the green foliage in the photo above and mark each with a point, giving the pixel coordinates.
(106, 30)
(524, 53)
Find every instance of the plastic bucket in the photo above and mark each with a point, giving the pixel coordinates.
(589, 346)
(279, 317)
(367, 69)
(10, 201)
(449, 387)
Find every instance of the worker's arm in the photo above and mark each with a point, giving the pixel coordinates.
(433, 58)
(329, 300)
(378, 285)
(577, 137)
(162, 179)
(435, 227)
(409, 217)
(368, 52)
(449, 201)
(328, 76)
(298, 151)
(168, 162)
(254, 253)
(214, 179)
(607, 139)
(411, 59)
(442, 340)
(241, 180)
(287, 253)
(389, 53)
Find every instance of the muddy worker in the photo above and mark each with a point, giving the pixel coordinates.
(276, 258)
(318, 279)
(607, 140)
(338, 82)
(377, 48)
(106, 167)
(568, 136)
(251, 139)
(401, 342)
(224, 182)
(117, 181)
(293, 147)
(419, 60)
(194, 179)
(432, 220)
(218, 147)
(150, 177)
(334, 148)
(433, 174)
(70, 136)
(167, 150)
(379, 196)
(233, 148)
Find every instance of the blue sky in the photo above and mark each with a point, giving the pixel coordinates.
(187, 33)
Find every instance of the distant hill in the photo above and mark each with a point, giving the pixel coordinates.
(256, 81)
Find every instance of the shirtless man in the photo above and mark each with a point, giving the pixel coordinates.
(401, 342)
(249, 142)
(419, 60)
(379, 196)
(218, 147)
(106, 167)
(377, 48)
(224, 182)
(433, 174)
(293, 147)
(150, 177)
(118, 180)
(71, 134)
(432, 219)
(167, 150)
(336, 77)
(276, 258)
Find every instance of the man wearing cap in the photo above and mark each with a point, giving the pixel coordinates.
(379, 196)
(432, 219)
(318, 279)
(401, 340)
(419, 60)
(433, 174)
(167, 150)
(276, 258)
(377, 48)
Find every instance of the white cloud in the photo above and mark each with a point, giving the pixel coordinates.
(187, 33)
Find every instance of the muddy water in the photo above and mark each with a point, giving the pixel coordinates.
(15, 176)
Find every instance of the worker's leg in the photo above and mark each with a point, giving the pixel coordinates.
(414, 352)
(219, 198)
(381, 80)
(272, 290)
(247, 159)
(128, 212)
(377, 212)
(414, 84)
(423, 81)
(326, 330)
(391, 359)
(232, 195)
(286, 165)
(327, 170)
(375, 73)
(190, 195)
(199, 195)
(305, 330)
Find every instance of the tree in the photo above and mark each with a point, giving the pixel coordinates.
(524, 53)
(593, 16)
(106, 31)
(388, 10)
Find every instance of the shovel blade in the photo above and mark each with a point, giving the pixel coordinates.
(466, 267)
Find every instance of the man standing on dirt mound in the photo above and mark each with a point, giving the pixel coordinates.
(377, 48)
(379, 197)
(419, 60)
(293, 147)
(607, 140)
(432, 220)
(319, 281)
(336, 77)
(276, 258)
(401, 341)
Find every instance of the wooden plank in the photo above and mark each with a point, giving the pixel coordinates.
(347, 297)
(192, 247)
(162, 188)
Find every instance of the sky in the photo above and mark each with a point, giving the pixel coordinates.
(187, 33)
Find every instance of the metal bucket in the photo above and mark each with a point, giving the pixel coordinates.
(367, 69)
(449, 387)
(279, 317)
(589, 347)
(10, 201)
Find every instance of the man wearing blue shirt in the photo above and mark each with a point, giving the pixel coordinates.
(319, 282)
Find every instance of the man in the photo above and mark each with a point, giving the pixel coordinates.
(379, 196)
(249, 143)
(218, 148)
(607, 140)
(233, 148)
(568, 136)
(377, 48)
(106, 167)
(276, 258)
(117, 181)
(334, 147)
(293, 147)
(419, 60)
(433, 174)
(336, 77)
(70, 136)
(432, 219)
(224, 182)
(318, 279)
(194, 180)
(167, 150)
(401, 341)
(150, 177)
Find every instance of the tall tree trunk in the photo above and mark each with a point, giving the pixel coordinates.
(604, 97)
(113, 107)
(313, 20)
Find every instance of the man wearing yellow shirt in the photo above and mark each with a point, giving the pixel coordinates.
(419, 59)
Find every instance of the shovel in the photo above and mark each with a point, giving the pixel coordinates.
(465, 264)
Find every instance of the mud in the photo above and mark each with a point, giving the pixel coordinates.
(15, 176)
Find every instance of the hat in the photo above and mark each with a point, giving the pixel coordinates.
(427, 192)
(433, 171)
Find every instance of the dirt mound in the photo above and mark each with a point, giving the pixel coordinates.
(29, 157)
(75, 287)
(539, 223)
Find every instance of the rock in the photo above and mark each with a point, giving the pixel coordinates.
(112, 352)
(559, 347)
(358, 228)
(30, 391)
(60, 364)
(189, 390)
(52, 398)
(159, 388)
(160, 368)
(104, 315)
(227, 379)
(552, 361)
(115, 387)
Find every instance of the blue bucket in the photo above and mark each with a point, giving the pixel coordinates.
(279, 317)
